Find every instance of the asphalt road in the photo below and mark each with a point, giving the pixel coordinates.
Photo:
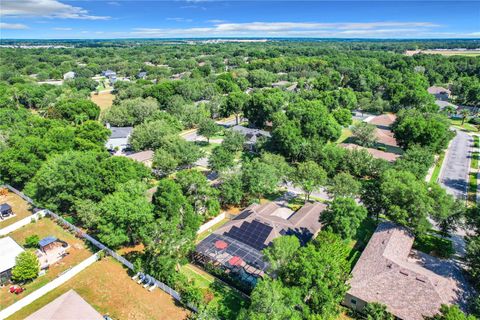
(454, 175)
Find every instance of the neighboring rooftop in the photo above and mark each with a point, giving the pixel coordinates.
(141, 156)
(69, 306)
(120, 132)
(411, 284)
(251, 134)
(9, 250)
(384, 133)
(377, 154)
(438, 90)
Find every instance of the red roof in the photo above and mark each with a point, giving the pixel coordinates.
(235, 261)
(220, 244)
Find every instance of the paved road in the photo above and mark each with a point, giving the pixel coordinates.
(454, 175)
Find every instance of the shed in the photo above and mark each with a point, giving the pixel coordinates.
(5, 210)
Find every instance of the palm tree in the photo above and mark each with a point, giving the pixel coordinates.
(464, 113)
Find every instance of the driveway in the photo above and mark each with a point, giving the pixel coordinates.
(454, 175)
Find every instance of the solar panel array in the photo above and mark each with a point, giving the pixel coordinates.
(252, 233)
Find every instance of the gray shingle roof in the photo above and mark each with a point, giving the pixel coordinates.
(411, 284)
(120, 132)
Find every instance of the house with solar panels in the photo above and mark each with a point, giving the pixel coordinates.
(237, 246)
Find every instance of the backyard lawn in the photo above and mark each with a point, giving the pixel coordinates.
(466, 126)
(104, 100)
(226, 299)
(20, 208)
(109, 289)
(43, 228)
(360, 241)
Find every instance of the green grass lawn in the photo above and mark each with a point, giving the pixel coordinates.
(434, 245)
(347, 132)
(360, 241)
(472, 177)
(466, 126)
(438, 167)
(208, 232)
(227, 300)
(207, 147)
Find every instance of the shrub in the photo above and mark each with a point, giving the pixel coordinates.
(32, 241)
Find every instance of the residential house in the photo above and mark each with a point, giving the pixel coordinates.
(69, 305)
(142, 75)
(440, 93)
(69, 75)
(237, 246)
(9, 250)
(251, 135)
(118, 140)
(412, 284)
(109, 73)
(145, 157)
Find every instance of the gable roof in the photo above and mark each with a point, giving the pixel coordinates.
(251, 134)
(120, 132)
(141, 156)
(411, 284)
(9, 250)
(69, 306)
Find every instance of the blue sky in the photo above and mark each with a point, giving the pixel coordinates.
(57, 19)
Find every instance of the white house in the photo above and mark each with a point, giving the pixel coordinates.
(69, 75)
(9, 250)
(118, 140)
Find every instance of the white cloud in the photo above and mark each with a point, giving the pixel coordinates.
(179, 19)
(45, 8)
(62, 29)
(12, 26)
(216, 21)
(113, 3)
(289, 29)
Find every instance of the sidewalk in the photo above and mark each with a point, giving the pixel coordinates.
(21, 223)
(10, 310)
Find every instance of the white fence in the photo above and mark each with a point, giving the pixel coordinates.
(78, 232)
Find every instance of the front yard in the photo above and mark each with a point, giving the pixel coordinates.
(77, 252)
(108, 288)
